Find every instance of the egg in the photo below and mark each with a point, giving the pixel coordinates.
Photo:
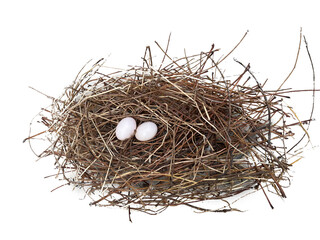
(125, 128)
(146, 131)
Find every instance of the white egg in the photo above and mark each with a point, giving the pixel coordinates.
(146, 131)
(125, 128)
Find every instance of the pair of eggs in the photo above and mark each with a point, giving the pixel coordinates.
(127, 127)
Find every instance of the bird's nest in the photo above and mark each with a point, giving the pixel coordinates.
(217, 136)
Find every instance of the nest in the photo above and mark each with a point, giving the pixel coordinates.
(216, 137)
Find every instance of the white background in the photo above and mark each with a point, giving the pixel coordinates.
(44, 44)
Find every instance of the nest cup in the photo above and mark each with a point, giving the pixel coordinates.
(215, 135)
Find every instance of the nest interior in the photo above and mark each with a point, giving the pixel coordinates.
(217, 136)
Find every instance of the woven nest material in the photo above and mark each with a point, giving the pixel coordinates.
(216, 138)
